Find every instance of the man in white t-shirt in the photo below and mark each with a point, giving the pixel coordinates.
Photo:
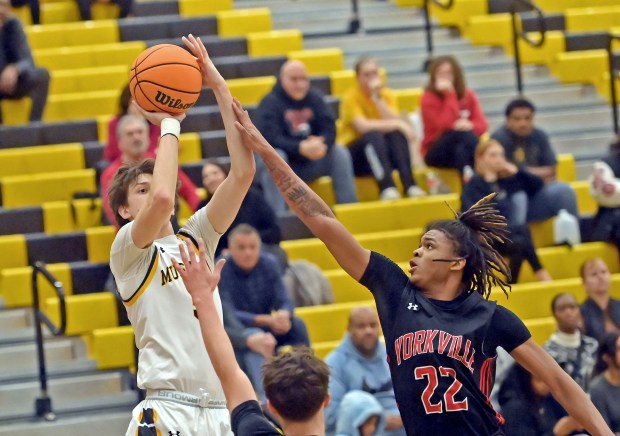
(184, 395)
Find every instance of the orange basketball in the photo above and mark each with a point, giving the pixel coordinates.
(165, 78)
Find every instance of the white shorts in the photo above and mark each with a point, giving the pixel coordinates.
(167, 418)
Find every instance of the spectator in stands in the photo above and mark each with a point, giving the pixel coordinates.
(252, 283)
(19, 77)
(527, 405)
(452, 117)
(601, 313)
(295, 382)
(297, 121)
(35, 9)
(362, 415)
(514, 187)
(529, 146)
(111, 151)
(254, 211)
(133, 141)
(252, 346)
(574, 352)
(377, 137)
(605, 388)
(125, 7)
(605, 189)
(359, 363)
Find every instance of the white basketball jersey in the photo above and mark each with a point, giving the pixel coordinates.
(172, 352)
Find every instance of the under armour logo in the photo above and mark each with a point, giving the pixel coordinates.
(162, 250)
(178, 433)
(412, 306)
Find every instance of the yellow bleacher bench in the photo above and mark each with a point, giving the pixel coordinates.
(15, 112)
(592, 18)
(41, 159)
(85, 312)
(460, 12)
(113, 347)
(81, 33)
(64, 107)
(88, 79)
(251, 90)
(13, 251)
(240, 22)
(274, 42)
(100, 55)
(98, 243)
(193, 8)
(34, 189)
(68, 216)
(16, 284)
(320, 61)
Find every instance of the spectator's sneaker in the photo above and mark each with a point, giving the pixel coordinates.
(415, 191)
(389, 194)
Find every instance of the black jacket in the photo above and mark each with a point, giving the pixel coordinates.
(14, 48)
(285, 122)
(593, 317)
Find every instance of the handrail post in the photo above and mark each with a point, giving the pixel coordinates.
(429, 36)
(43, 404)
(355, 22)
(517, 53)
(612, 83)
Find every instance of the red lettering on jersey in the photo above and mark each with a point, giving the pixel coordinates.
(397, 344)
(418, 341)
(444, 340)
(407, 346)
(455, 347)
(428, 343)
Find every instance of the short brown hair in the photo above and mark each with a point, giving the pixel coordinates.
(124, 177)
(459, 78)
(296, 383)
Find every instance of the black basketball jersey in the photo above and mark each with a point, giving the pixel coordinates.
(441, 354)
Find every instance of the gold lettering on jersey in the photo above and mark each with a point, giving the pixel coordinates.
(169, 274)
(423, 341)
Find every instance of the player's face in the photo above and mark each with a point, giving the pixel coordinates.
(133, 141)
(212, 177)
(521, 121)
(137, 195)
(364, 331)
(425, 272)
(245, 250)
(567, 314)
(295, 81)
(596, 278)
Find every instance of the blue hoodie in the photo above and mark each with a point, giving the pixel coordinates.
(356, 408)
(350, 370)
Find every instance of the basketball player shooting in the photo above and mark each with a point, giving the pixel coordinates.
(184, 395)
(441, 332)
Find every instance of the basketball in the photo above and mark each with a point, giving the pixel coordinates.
(165, 78)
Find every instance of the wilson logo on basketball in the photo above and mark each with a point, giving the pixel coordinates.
(166, 100)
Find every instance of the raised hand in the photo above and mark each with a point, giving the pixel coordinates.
(250, 135)
(210, 75)
(199, 280)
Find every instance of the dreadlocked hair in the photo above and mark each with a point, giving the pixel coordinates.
(475, 233)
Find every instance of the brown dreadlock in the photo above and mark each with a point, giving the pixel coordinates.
(474, 234)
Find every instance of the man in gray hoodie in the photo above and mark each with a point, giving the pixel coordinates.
(360, 363)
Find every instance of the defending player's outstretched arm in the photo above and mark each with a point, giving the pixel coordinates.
(306, 204)
(564, 389)
(227, 199)
(200, 283)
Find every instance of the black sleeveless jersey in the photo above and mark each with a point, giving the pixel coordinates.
(441, 354)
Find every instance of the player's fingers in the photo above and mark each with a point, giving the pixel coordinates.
(218, 267)
(184, 257)
(202, 250)
(178, 267)
(190, 251)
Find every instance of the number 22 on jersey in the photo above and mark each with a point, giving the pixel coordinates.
(448, 404)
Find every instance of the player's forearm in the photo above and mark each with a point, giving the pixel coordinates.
(304, 202)
(242, 165)
(579, 406)
(165, 172)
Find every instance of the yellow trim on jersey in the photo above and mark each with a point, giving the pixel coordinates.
(146, 282)
(186, 237)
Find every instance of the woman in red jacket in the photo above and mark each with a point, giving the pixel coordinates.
(452, 117)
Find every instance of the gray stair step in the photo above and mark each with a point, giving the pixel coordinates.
(88, 424)
(16, 397)
(22, 335)
(54, 370)
(24, 355)
(592, 145)
(14, 319)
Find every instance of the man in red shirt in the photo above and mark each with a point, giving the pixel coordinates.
(133, 141)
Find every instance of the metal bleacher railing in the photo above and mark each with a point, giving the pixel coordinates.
(43, 404)
(428, 28)
(614, 72)
(517, 33)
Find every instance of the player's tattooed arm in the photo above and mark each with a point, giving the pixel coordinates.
(308, 202)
